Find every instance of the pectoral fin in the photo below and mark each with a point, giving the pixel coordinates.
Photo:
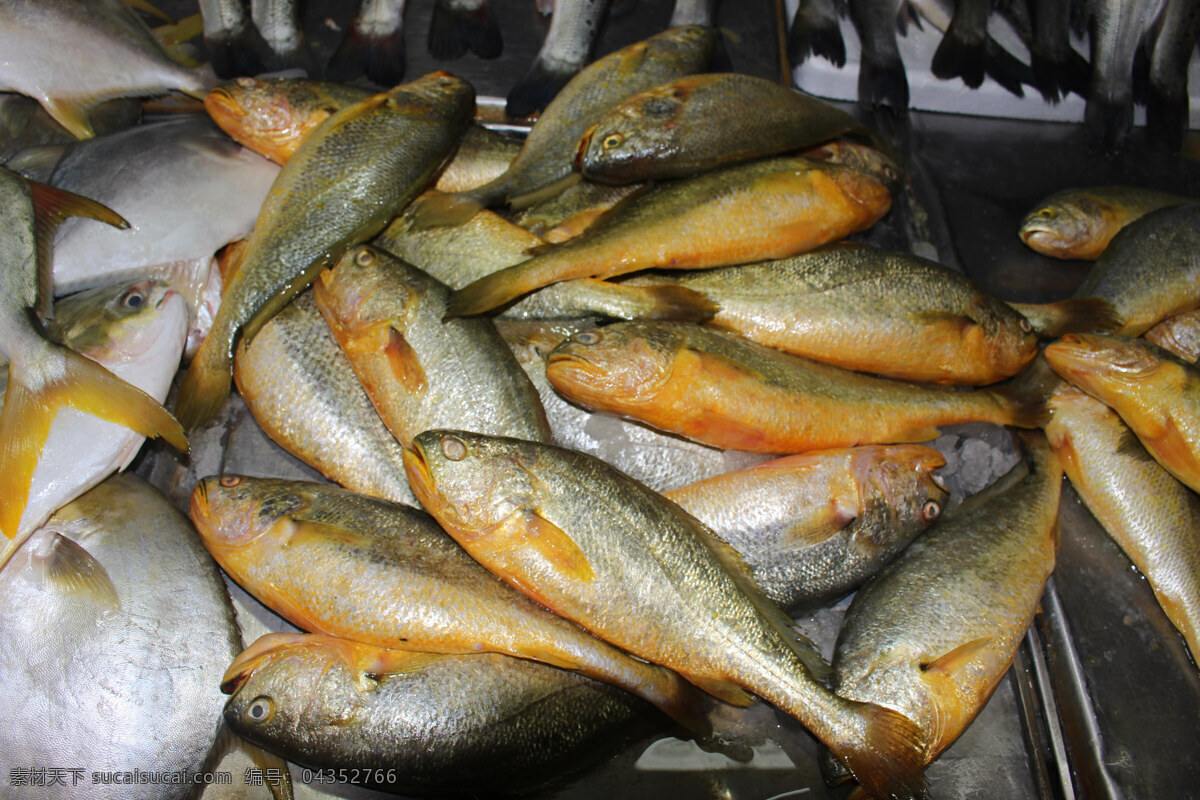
(68, 568)
(404, 362)
(553, 543)
(951, 662)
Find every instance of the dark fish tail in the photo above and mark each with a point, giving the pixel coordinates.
(1107, 122)
(958, 56)
(1167, 114)
(816, 37)
(535, 89)
(206, 384)
(1073, 315)
(883, 83)
(1006, 69)
(1024, 397)
(381, 58)
(447, 40)
(239, 53)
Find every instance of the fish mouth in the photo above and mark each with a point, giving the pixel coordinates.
(222, 103)
(420, 478)
(198, 507)
(258, 653)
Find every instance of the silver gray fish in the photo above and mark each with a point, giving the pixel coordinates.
(1174, 44)
(70, 55)
(233, 43)
(116, 683)
(424, 724)
(1057, 68)
(279, 23)
(567, 48)
(1118, 28)
(24, 124)
(881, 76)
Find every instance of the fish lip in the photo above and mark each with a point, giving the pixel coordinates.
(167, 295)
(584, 142)
(571, 360)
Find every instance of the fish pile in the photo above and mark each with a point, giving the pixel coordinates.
(1041, 54)
(495, 593)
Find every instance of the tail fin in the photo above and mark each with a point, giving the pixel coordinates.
(447, 40)
(1025, 395)
(535, 89)
(819, 37)
(452, 33)
(883, 84)
(889, 758)
(1073, 315)
(380, 57)
(959, 57)
(241, 53)
(29, 410)
(445, 210)
(206, 383)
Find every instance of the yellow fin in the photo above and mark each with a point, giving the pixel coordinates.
(444, 210)
(722, 689)
(888, 758)
(831, 523)
(274, 305)
(302, 529)
(403, 360)
(957, 323)
(205, 385)
(949, 663)
(69, 568)
(174, 34)
(396, 662)
(50, 207)
(70, 115)
(553, 543)
(545, 193)
(149, 8)
(28, 413)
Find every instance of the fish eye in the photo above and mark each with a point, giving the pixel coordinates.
(453, 448)
(229, 481)
(931, 510)
(613, 141)
(247, 83)
(133, 298)
(588, 337)
(1026, 326)
(364, 258)
(260, 710)
(1046, 213)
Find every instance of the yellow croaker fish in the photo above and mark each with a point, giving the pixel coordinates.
(748, 212)
(545, 164)
(812, 527)
(43, 376)
(1153, 517)
(303, 393)
(880, 311)
(729, 392)
(347, 180)
(932, 635)
(1156, 394)
(1079, 223)
(419, 371)
(1151, 270)
(594, 545)
(428, 724)
(699, 122)
(335, 562)
(272, 116)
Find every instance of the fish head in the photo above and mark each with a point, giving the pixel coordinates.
(119, 325)
(470, 482)
(898, 489)
(1097, 363)
(233, 512)
(294, 688)
(1062, 226)
(867, 191)
(627, 143)
(858, 156)
(632, 362)
(367, 286)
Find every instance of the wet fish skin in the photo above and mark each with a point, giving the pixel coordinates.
(699, 122)
(82, 34)
(271, 116)
(870, 310)
(373, 45)
(157, 175)
(574, 26)
(932, 635)
(419, 371)
(1117, 29)
(1150, 270)
(591, 543)
(126, 685)
(44, 376)
(727, 391)
(340, 188)
(298, 547)
(304, 395)
(1080, 223)
(1153, 517)
(136, 332)
(746, 212)
(233, 43)
(545, 162)
(815, 526)
(436, 723)
(1178, 335)
(1156, 394)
